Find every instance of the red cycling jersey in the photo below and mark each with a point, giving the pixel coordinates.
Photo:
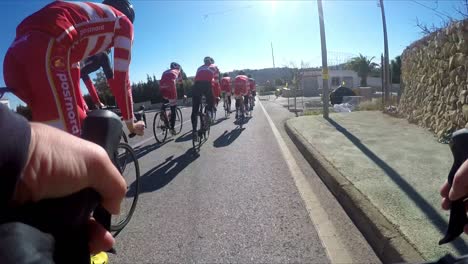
(215, 69)
(241, 85)
(226, 84)
(167, 84)
(252, 85)
(216, 89)
(57, 36)
(204, 73)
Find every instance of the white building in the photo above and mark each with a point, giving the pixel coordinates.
(312, 81)
(5, 102)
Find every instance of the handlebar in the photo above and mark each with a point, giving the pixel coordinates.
(66, 218)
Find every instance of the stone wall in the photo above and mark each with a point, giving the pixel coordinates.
(435, 80)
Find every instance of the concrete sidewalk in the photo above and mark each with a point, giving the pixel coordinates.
(386, 173)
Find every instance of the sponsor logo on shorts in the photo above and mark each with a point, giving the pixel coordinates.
(58, 63)
(70, 105)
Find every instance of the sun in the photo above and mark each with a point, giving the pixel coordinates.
(273, 6)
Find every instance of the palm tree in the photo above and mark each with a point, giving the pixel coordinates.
(363, 66)
(395, 68)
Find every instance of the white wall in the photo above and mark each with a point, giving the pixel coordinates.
(5, 102)
(335, 73)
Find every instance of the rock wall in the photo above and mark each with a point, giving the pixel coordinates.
(435, 79)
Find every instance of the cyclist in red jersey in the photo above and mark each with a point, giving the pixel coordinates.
(241, 86)
(215, 87)
(38, 65)
(226, 89)
(202, 86)
(252, 91)
(167, 86)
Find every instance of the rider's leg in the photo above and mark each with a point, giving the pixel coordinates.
(238, 102)
(173, 113)
(196, 100)
(163, 104)
(246, 103)
(37, 71)
(209, 99)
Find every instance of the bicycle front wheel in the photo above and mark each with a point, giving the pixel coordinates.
(159, 128)
(127, 164)
(178, 121)
(197, 140)
(124, 137)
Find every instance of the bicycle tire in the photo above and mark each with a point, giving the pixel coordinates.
(207, 129)
(124, 157)
(179, 121)
(124, 137)
(161, 134)
(196, 142)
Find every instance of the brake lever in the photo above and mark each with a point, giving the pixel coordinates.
(458, 218)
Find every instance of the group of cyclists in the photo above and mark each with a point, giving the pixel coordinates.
(55, 47)
(64, 41)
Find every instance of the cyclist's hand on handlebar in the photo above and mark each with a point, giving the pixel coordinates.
(459, 188)
(137, 128)
(60, 164)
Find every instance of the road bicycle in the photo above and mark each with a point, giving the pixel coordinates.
(226, 105)
(161, 123)
(203, 126)
(241, 112)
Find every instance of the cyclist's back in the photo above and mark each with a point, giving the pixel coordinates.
(241, 85)
(226, 84)
(252, 85)
(168, 88)
(202, 87)
(57, 36)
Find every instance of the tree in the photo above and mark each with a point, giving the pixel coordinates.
(395, 68)
(363, 66)
(104, 92)
(279, 82)
(461, 10)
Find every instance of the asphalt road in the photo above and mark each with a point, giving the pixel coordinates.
(235, 201)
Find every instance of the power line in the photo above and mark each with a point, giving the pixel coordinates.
(430, 8)
(205, 16)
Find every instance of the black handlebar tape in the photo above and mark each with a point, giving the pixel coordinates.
(458, 218)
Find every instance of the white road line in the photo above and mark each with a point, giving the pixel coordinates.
(336, 251)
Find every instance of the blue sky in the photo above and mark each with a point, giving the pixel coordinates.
(237, 34)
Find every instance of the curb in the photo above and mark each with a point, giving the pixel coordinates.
(388, 243)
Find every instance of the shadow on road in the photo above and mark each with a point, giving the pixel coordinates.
(185, 137)
(164, 173)
(227, 138)
(219, 120)
(246, 120)
(431, 213)
(142, 151)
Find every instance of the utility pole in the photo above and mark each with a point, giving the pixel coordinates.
(382, 77)
(272, 55)
(324, 61)
(387, 68)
